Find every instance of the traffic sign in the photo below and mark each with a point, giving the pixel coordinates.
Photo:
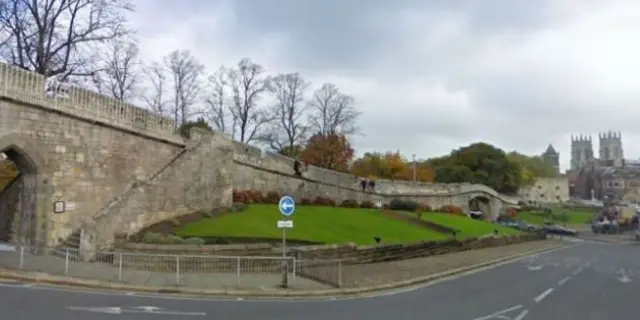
(288, 224)
(287, 206)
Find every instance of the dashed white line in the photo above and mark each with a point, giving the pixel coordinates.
(521, 315)
(563, 281)
(500, 313)
(543, 295)
(575, 273)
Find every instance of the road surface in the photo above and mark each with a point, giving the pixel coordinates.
(585, 281)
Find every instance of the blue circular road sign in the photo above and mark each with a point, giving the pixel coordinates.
(287, 206)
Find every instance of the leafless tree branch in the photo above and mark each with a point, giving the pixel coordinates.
(185, 72)
(156, 100)
(248, 85)
(58, 37)
(333, 111)
(289, 128)
(120, 76)
(218, 111)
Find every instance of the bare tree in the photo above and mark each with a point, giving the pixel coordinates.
(248, 85)
(119, 76)
(58, 37)
(289, 128)
(4, 32)
(185, 72)
(333, 111)
(217, 101)
(156, 100)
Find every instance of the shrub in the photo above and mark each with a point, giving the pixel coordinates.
(349, 204)
(194, 240)
(172, 239)
(272, 197)
(386, 206)
(324, 201)
(511, 212)
(367, 204)
(306, 201)
(451, 209)
(403, 205)
(255, 196)
(154, 238)
(240, 196)
(238, 207)
(424, 207)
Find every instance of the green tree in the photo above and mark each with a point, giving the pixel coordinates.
(532, 167)
(199, 123)
(479, 163)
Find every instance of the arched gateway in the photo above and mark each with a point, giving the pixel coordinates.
(24, 202)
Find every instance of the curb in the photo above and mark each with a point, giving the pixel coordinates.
(37, 277)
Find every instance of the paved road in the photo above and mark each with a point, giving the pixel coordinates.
(586, 281)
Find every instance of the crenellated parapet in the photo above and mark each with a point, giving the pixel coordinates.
(33, 89)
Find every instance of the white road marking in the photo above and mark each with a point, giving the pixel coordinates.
(624, 278)
(534, 268)
(563, 281)
(575, 273)
(543, 295)
(521, 315)
(284, 299)
(499, 313)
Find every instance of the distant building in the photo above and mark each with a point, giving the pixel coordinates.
(552, 157)
(608, 177)
(546, 190)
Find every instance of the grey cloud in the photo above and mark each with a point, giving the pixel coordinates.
(524, 108)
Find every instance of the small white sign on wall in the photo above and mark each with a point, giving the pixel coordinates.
(70, 206)
(59, 207)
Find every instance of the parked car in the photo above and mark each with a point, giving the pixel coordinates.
(559, 230)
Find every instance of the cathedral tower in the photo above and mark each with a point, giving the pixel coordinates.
(581, 151)
(611, 152)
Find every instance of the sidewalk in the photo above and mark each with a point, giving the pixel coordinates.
(387, 272)
(353, 276)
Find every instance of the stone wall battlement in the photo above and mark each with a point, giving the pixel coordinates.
(253, 156)
(29, 88)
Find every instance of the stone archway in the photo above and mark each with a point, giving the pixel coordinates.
(480, 204)
(23, 202)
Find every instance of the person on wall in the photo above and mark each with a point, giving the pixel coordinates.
(297, 168)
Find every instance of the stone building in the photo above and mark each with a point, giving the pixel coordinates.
(608, 176)
(553, 157)
(547, 190)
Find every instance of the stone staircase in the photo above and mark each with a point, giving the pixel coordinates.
(72, 242)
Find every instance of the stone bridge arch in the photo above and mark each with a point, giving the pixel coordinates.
(481, 203)
(24, 202)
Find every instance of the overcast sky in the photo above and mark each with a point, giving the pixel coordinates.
(430, 76)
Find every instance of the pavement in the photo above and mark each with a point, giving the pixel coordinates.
(587, 280)
(208, 274)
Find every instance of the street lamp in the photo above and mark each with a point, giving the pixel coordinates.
(414, 168)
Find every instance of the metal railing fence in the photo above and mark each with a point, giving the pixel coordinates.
(196, 271)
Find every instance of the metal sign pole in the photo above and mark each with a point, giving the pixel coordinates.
(287, 207)
(285, 267)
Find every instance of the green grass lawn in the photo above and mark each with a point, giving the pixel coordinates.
(311, 223)
(575, 217)
(468, 227)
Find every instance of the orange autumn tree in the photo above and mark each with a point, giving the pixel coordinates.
(390, 165)
(331, 151)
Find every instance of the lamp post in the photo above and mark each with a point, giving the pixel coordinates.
(414, 169)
